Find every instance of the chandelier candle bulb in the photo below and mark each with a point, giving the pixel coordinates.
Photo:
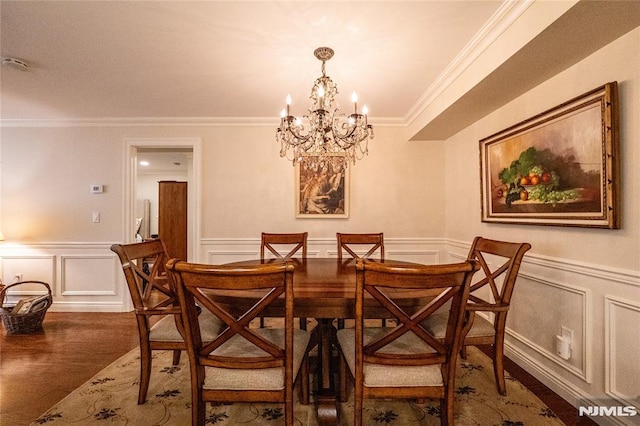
(354, 99)
(321, 96)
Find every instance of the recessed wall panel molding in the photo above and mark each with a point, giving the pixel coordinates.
(218, 257)
(622, 335)
(429, 257)
(457, 257)
(29, 268)
(554, 305)
(87, 275)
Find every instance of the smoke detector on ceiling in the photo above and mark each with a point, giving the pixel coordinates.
(16, 63)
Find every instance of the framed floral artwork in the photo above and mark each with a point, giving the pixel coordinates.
(322, 187)
(560, 167)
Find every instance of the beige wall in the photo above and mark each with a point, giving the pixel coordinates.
(246, 187)
(47, 173)
(615, 248)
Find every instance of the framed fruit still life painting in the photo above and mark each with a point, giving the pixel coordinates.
(560, 167)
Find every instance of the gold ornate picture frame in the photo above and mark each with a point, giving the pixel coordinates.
(322, 187)
(560, 167)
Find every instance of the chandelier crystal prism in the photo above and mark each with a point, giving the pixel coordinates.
(324, 134)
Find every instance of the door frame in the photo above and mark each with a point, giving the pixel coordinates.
(131, 169)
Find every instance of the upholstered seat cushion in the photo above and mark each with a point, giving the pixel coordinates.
(437, 325)
(165, 330)
(259, 379)
(376, 375)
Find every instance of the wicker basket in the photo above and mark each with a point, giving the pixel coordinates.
(23, 323)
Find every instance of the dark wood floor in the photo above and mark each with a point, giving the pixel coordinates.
(38, 370)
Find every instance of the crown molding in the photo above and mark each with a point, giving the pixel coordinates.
(170, 122)
(502, 19)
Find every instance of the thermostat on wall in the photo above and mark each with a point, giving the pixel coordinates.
(97, 189)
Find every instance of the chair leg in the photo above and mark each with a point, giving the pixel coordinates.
(498, 364)
(303, 389)
(463, 352)
(198, 409)
(446, 410)
(145, 372)
(288, 412)
(342, 379)
(176, 356)
(358, 403)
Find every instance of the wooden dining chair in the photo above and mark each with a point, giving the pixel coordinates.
(347, 242)
(405, 361)
(275, 243)
(155, 305)
(500, 262)
(241, 364)
(375, 242)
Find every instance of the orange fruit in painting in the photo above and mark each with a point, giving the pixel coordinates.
(524, 195)
(534, 180)
(524, 180)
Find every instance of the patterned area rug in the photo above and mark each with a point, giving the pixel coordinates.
(110, 397)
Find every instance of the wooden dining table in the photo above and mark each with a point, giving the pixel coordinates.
(325, 289)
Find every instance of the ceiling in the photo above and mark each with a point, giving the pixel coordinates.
(168, 161)
(236, 61)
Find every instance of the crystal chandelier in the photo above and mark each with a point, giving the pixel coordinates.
(324, 135)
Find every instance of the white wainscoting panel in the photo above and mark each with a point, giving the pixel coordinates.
(224, 250)
(84, 277)
(79, 275)
(621, 350)
(32, 268)
(553, 304)
(563, 292)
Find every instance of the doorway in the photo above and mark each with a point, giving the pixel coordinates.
(155, 165)
(168, 159)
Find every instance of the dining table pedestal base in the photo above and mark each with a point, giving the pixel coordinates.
(327, 410)
(326, 402)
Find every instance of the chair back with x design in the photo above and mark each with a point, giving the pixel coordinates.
(295, 242)
(241, 363)
(375, 241)
(153, 295)
(508, 257)
(406, 361)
